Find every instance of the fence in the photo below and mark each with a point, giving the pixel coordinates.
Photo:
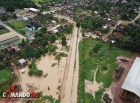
(8, 81)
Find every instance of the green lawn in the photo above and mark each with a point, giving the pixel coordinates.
(3, 31)
(18, 24)
(105, 57)
(5, 75)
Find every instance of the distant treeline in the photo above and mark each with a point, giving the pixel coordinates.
(11, 5)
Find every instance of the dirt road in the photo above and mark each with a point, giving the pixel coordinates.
(76, 72)
(14, 32)
(70, 79)
(110, 32)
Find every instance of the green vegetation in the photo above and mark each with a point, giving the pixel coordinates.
(5, 75)
(18, 24)
(10, 6)
(102, 56)
(36, 1)
(59, 56)
(67, 48)
(54, 64)
(89, 98)
(59, 87)
(34, 70)
(43, 99)
(131, 38)
(3, 31)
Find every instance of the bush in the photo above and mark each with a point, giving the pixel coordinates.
(39, 73)
(54, 64)
(104, 67)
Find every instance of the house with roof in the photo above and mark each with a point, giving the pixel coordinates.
(34, 10)
(36, 25)
(22, 62)
(30, 27)
(130, 89)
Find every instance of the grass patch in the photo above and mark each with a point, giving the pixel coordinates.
(67, 48)
(59, 87)
(105, 59)
(5, 75)
(54, 64)
(89, 98)
(18, 24)
(3, 31)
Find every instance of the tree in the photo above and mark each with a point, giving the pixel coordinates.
(78, 24)
(58, 57)
(14, 16)
(4, 18)
(39, 73)
(31, 72)
(124, 17)
(95, 50)
(104, 67)
(52, 39)
(43, 29)
(63, 41)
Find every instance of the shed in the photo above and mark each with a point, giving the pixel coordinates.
(22, 62)
(132, 80)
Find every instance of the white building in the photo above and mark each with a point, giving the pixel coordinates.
(22, 62)
(25, 19)
(34, 10)
(132, 80)
(30, 28)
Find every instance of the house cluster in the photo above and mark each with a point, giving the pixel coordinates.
(9, 53)
(61, 29)
(93, 34)
(119, 31)
(34, 25)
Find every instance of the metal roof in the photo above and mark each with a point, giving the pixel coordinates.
(132, 80)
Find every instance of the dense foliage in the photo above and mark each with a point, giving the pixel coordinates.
(11, 5)
(131, 39)
(34, 70)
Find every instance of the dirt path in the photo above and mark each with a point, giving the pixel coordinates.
(68, 74)
(14, 32)
(92, 87)
(70, 80)
(110, 32)
(76, 72)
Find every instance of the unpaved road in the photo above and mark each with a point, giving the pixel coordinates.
(14, 32)
(110, 32)
(69, 85)
(76, 72)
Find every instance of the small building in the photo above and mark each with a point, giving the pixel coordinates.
(44, 13)
(22, 62)
(131, 85)
(55, 31)
(30, 28)
(34, 10)
(25, 19)
(36, 25)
